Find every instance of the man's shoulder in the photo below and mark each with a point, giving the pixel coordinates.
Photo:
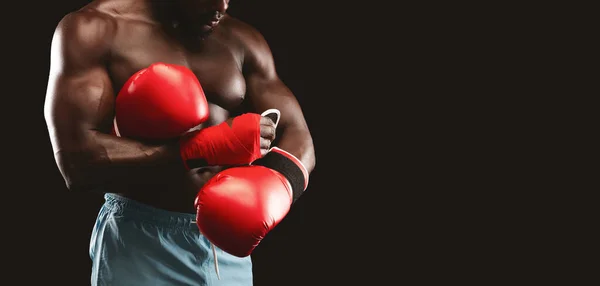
(248, 36)
(87, 27)
(239, 27)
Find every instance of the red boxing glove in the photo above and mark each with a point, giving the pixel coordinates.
(222, 144)
(239, 206)
(161, 101)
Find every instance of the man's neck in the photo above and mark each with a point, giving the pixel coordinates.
(168, 15)
(163, 12)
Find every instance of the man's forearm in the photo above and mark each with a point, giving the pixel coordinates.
(108, 161)
(298, 142)
(293, 157)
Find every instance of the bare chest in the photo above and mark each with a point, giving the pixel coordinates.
(217, 66)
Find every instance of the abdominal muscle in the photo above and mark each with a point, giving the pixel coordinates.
(176, 193)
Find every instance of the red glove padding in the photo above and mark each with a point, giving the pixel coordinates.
(161, 101)
(239, 206)
(222, 144)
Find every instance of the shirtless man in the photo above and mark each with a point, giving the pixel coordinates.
(145, 232)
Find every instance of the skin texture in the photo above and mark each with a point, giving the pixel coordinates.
(97, 48)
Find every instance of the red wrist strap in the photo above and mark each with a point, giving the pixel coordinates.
(223, 144)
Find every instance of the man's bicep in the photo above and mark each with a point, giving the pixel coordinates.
(265, 90)
(79, 95)
(79, 102)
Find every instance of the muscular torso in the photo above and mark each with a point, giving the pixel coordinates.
(218, 66)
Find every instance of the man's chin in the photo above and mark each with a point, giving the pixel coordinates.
(201, 30)
(207, 29)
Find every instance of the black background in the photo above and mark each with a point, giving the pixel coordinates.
(423, 134)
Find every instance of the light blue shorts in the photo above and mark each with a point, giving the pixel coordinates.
(136, 244)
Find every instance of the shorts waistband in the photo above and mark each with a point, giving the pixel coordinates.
(130, 208)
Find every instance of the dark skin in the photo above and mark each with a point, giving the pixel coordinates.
(96, 49)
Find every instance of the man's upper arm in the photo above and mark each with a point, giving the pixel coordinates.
(79, 94)
(265, 89)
